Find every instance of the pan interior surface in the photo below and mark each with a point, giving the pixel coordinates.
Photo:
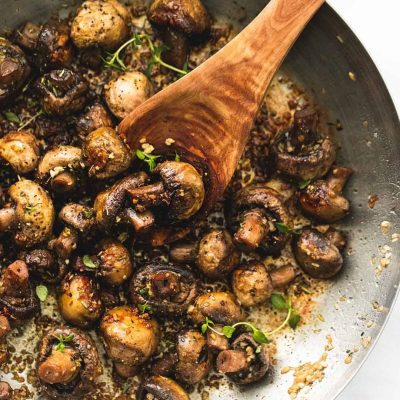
(331, 64)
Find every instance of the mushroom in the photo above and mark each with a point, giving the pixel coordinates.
(65, 243)
(14, 70)
(20, 150)
(114, 262)
(63, 92)
(323, 199)
(252, 284)
(177, 21)
(181, 188)
(79, 301)
(126, 92)
(95, 117)
(110, 203)
(130, 338)
(60, 167)
(317, 255)
(161, 388)
(106, 154)
(194, 358)
(215, 342)
(28, 36)
(246, 362)
(100, 23)
(260, 219)
(6, 392)
(30, 215)
(68, 364)
(17, 298)
(184, 252)
(220, 307)
(53, 45)
(302, 152)
(168, 289)
(78, 216)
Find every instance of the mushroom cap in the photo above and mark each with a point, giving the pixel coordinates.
(78, 216)
(187, 16)
(317, 255)
(100, 23)
(94, 118)
(185, 187)
(105, 153)
(20, 150)
(252, 284)
(129, 337)
(59, 159)
(220, 307)
(34, 210)
(127, 92)
(161, 388)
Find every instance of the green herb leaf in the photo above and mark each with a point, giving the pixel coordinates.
(144, 308)
(143, 291)
(304, 184)
(207, 323)
(11, 117)
(149, 159)
(258, 349)
(88, 213)
(294, 320)
(126, 387)
(228, 331)
(62, 340)
(279, 302)
(260, 336)
(123, 237)
(42, 292)
(88, 262)
(31, 208)
(282, 228)
(177, 157)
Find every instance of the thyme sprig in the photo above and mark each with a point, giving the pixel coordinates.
(149, 159)
(62, 340)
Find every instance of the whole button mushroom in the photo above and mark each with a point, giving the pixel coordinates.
(181, 188)
(256, 215)
(79, 301)
(60, 168)
(161, 388)
(127, 92)
(100, 23)
(130, 338)
(303, 152)
(28, 36)
(106, 154)
(317, 255)
(68, 364)
(20, 150)
(14, 70)
(177, 21)
(63, 92)
(95, 117)
(30, 215)
(323, 199)
(220, 307)
(168, 289)
(78, 216)
(252, 284)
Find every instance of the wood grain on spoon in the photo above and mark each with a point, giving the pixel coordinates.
(209, 112)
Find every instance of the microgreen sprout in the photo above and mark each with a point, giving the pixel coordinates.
(62, 340)
(143, 308)
(88, 262)
(42, 292)
(303, 184)
(149, 159)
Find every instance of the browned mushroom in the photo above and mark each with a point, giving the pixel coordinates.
(28, 36)
(14, 70)
(252, 284)
(302, 152)
(6, 391)
(130, 338)
(106, 154)
(181, 188)
(323, 199)
(161, 388)
(317, 255)
(78, 216)
(65, 243)
(100, 23)
(95, 117)
(246, 362)
(178, 20)
(20, 150)
(215, 342)
(62, 91)
(220, 307)
(260, 219)
(168, 289)
(68, 364)
(194, 358)
(126, 92)
(79, 301)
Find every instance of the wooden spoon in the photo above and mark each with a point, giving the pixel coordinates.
(208, 113)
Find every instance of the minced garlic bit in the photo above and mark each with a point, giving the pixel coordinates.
(395, 237)
(147, 148)
(352, 76)
(385, 226)
(339, 38)
(143, 140)
(169, 141)
(366, 341)
(348, 359)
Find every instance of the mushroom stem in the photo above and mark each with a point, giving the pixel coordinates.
(184, 252)
(165, 284)
(5, 327)
(282, 276)
(15, 279)
(178, 47)
(59, 367)
(63, 183)
(141, 221)
(8, 218)
(124, 370)
(252, 230)
(230, 361)
(149, 196)
(338, 178)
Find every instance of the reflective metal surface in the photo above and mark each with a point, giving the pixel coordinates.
(357, 305)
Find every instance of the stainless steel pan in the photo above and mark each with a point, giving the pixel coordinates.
(357, 305)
